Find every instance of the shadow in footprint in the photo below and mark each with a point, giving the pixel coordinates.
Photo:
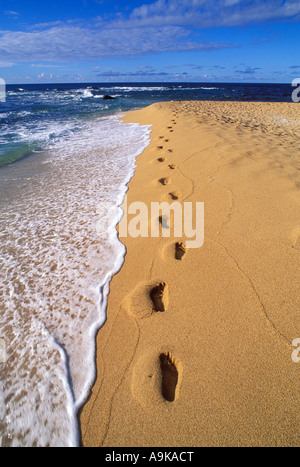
(147, 299)
(165, 181)
(161, 159)
(175, 195)
(157, 297)
(180, 251)
(169, 376)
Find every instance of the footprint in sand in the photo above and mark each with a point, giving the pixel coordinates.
(180, 250)
(169, 376)
(165, 181)
(161, 159)
(175, 195)
(160, 148)
(157, 297)
(156, 378)
(146, 299)
(171, 150)
(172, 166)
(174, 251)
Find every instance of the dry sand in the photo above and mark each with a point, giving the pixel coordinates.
(231, 307)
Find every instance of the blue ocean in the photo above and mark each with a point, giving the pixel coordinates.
(35, 117)
(65, 161)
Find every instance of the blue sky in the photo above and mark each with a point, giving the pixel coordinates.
(149, 40)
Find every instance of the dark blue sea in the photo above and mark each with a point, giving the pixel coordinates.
(36, 116)
(65, 161)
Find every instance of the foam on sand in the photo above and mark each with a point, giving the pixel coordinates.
(56, 263)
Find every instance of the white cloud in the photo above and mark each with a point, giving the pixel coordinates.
(69, 42)
(14, 14)
(160, 26)
(43, 65)
(6, 64)
(45, 77)
(213, 13)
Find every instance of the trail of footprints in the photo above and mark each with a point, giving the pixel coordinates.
(158, 293)
(158, 297)
(175, 195)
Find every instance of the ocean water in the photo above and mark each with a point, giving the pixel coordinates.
(65, 160)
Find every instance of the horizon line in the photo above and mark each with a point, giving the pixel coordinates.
(150, 82)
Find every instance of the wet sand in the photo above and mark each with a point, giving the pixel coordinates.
(197, 347)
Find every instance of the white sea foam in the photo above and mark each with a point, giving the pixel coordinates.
(56, 262)
(86, 93)
(204, 88)
(136, 88)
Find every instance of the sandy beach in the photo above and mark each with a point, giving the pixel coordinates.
(197, 346)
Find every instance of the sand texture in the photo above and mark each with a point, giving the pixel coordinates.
(197, 347)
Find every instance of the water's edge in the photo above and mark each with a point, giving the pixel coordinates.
(104, 287)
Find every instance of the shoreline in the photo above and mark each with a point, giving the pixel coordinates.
(230, 307)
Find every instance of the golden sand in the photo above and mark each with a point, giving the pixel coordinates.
(214, 368)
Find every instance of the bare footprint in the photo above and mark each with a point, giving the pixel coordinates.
(169, 376)
(150, 379)
(165, 181)
(180, 250)
(157, 297)
(147, 299)
(175, 195)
